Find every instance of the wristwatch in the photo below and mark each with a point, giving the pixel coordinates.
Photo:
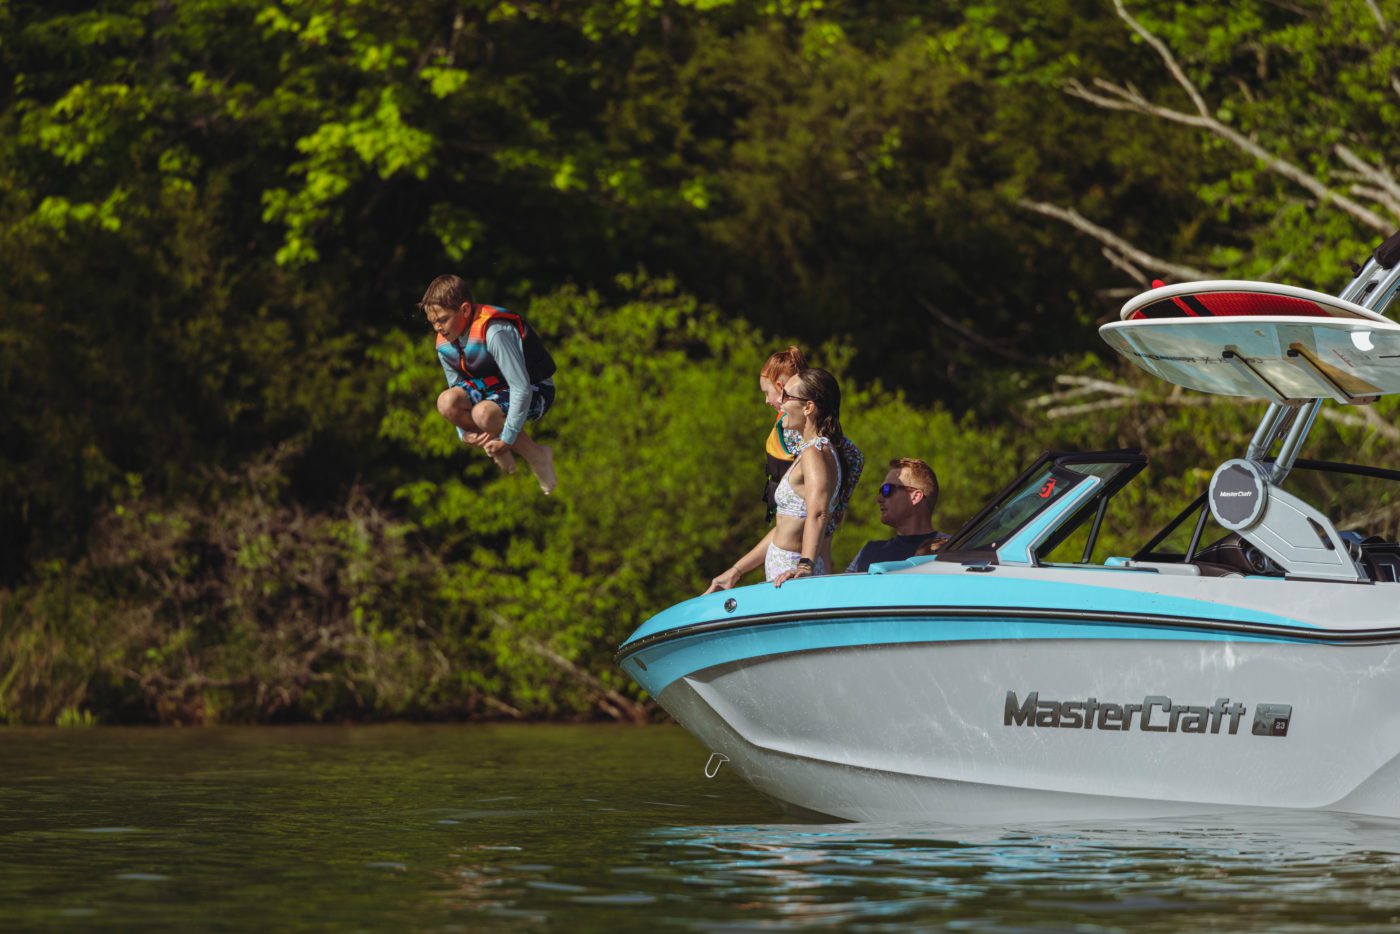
(805, 563)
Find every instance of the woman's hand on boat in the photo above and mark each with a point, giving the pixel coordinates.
(725, 581)
(799, 571)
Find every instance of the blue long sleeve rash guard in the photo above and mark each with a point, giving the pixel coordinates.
(504, 344)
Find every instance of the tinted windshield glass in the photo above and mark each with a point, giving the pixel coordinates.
(1038, 491)
(1074, 539)
(1017, 508)
(1105, 471)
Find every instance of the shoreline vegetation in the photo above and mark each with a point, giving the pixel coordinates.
(225, 494)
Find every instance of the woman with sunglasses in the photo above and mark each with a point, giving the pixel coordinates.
(806, 495)
(783, 441)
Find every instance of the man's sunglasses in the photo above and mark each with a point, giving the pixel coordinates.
(887, 489)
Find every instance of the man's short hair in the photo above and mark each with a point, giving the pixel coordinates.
(446, 292)
(921, 477)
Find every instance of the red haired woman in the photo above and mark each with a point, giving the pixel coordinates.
(781, 444)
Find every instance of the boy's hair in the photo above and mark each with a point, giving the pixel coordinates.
(783, 365)
(921, 477)
(446, 292)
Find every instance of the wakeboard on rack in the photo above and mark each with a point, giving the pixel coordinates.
(1259, 339)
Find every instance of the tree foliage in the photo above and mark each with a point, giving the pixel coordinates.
(215, 216)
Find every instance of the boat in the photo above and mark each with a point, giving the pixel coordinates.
(1245, 656)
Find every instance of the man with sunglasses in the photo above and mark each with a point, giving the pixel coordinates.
(906, 499)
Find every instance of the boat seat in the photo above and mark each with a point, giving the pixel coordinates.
(1378, 556)
(1232, 554)
(1385, 569)
(1381, 559)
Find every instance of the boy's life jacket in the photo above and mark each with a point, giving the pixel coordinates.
(468, 354)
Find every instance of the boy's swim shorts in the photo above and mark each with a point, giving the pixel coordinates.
(541, 399)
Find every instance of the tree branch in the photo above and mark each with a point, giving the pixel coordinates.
(1368, 419)
(1379, 175)
(614, 704)
(1087, 384)
(1136, 274)
(1167, 57)
(1069, 411)
(1377, 424)
(501, 706)
(1116, 243)
(1116, 395)
(1378, 196)
(1380, 17)
(1118, 294)
(967, 333)
(1119, 97)
(610, 701)
(1112, 396)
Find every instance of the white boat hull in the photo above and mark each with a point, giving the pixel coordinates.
(923, 732)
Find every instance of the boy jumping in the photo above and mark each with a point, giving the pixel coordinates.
(498, 376)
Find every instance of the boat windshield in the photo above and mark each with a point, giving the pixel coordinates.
(1040, 491)
(1033, 496)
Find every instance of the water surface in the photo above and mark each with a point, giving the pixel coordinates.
(511, 828)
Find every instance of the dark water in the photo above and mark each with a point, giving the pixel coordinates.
(595, 828)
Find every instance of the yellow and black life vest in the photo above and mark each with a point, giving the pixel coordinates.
(777, 461)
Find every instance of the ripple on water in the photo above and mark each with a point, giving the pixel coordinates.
(1320, 871)
(613, 822)
(555, 886)
(621, 898)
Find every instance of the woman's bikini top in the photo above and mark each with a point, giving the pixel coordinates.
(786, 498)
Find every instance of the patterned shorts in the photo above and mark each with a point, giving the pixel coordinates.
(779, 560)
(541, 400)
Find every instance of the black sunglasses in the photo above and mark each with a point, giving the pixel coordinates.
(789, 397)
(887, 489)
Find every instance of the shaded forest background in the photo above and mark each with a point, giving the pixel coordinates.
(225, 494)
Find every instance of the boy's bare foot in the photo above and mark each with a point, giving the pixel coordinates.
(504, 460)
(543, 466)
